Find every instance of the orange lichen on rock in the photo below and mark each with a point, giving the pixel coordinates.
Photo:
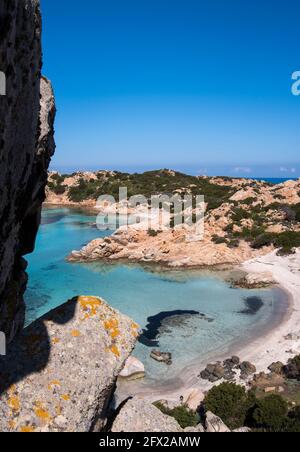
(112, 325)
(65, 397)
(14, 403)
(114, 349)
(41, 413)
(115, 333)
(75, 333)
(53, 383)
(12, 425)
(27, 429)
(90, 305)
(55, 340)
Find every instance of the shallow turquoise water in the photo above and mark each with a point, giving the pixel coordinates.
(142, 294)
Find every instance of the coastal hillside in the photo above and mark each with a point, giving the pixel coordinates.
(243, 218)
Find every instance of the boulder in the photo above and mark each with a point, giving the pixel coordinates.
(247, 369)
(198, 429)
(59, 374)
(133, 369)
(214, 424)
(242, 430)
(193, 398)
(138, 415)
(213, 372)
(276, 368)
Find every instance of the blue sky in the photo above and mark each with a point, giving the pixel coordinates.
(199, 86)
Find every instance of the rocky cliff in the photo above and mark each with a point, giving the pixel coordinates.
(26, 145)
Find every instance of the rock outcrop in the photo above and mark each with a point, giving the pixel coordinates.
(26, 144)
(59, 374)
(138, 415)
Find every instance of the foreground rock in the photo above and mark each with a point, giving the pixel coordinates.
(140, 416)
(26, 144)
(60, 372)
(214, 424)
(133, 369)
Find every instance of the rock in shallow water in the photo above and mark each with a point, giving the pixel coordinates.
(133, 369)
(60, 372)
(161, 357)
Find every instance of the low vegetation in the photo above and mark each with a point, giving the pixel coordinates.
(184, 416)
(147, 184)
(258, 410)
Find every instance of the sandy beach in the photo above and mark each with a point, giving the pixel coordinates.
(269, 347)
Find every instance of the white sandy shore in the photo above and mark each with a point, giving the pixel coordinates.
(262, 352)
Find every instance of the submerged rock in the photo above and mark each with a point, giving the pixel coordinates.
(253, 305)
(162, 322)
(59, 374)
(162, 357)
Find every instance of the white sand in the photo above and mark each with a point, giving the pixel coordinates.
(262, 352)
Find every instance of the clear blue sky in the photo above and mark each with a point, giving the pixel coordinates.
(201, 86)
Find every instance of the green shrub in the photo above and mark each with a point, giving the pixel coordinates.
(230, 402)
(270, 413)
(184, 416)
(292, 423)
(152, 233)
(218, 240)
(292, 369)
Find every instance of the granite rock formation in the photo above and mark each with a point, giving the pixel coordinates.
(27, 114)
(60, 373)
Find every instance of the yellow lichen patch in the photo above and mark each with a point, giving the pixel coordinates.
(90, 304)
(55, 340)
(111, 324)
(53, 383)
(58, 410)
(14, 403)
(115, 333)
(27, 429)
(134, 326)
(41, 413)
(75, 333)
(12, 425)
(114, 349)
(65, 397)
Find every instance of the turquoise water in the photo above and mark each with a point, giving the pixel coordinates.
(140, 293)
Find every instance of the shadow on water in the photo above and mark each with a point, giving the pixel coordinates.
(30, 351)
(155, 323)
(252, 305)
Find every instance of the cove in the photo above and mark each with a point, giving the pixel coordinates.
(203, 315)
